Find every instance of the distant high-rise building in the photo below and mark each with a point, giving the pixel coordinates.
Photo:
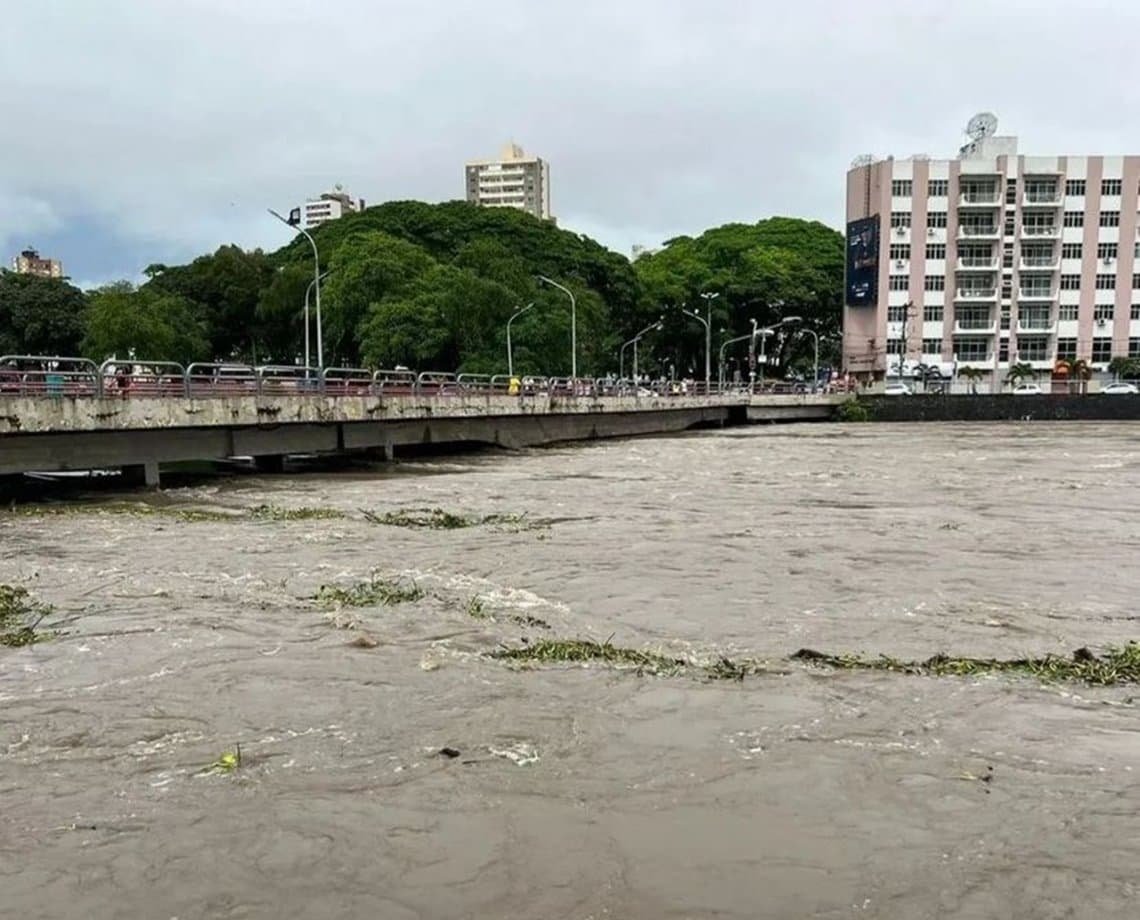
(29, 262)
(515, 180)
(328, 206)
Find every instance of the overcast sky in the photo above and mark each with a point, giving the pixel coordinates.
(137, 131)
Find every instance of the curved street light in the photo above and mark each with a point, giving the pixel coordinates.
(637, 338)
(316, 281)
(309, 290)
(724, 345)
(815, 336)
(510, 355)
(707, 322)
(573, 323)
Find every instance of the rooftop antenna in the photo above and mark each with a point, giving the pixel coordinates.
(982, 125)
(865, 159)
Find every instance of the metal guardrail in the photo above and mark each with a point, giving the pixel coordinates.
(57, 377)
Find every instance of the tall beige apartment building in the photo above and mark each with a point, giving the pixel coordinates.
(514, 180)
(990, 259)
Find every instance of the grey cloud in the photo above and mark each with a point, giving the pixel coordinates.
(178, 123)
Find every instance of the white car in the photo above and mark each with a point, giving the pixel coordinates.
(897, 389)
(1120, 388)
(1027, 389)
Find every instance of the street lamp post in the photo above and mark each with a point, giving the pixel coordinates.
(308, 291)
(637, 338)
(724, 345)
(510, 355)
(316, 281)
(573, 324)
(815, 336)
(708, 297)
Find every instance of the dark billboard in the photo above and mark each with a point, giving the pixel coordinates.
(863, 262)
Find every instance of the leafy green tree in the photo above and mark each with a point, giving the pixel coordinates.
(145, 324)
(280, 316)
(1020, 371)
(1124, 368)
(227, 288)
(40, 316)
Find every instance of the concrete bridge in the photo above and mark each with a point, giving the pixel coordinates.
(48, 433)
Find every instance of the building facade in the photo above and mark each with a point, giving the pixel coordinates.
(328, 206)
(29, 262)
(515, 180)
(991, 259)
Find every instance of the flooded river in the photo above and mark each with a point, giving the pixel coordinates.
(588, 791)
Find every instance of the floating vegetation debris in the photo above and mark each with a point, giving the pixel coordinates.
(1116, 666)
(477, 610)
(375, 592)
(439, 519)
(227, 763)
(553, 651)
(180, 513)
(20, 617)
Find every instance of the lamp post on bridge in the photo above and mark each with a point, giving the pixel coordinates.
(510, 355)
(637, 338)
(309, 290)
(724, 345)
(706, 320)
(573, 323)
(815, 336)
(316, 276)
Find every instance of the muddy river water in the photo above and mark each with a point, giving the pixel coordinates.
(588, 791)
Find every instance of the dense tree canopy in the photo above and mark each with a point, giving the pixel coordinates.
(39, 316)
(433, 287)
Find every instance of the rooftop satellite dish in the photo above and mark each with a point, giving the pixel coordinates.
(865, 159)
(339, 187)
(984, 124)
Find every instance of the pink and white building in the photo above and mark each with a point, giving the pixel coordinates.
(991, 259)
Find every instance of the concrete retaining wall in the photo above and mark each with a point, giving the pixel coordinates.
(996, 408)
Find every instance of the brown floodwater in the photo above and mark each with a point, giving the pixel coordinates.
(589, 792)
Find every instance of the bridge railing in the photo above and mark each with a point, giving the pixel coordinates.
(221, 380)
(39, 375)
(346, 381)
(398, 382)
(141, 378)
(436, 383)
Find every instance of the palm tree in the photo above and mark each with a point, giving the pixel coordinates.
(1019, 372)
(973, 374)
(1076, 371)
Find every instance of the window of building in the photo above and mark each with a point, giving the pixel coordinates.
(934, 346)
(1011, 191)
(1069, 311)
(936, 219)
(971, 348)
(1074, 219)
(1106, 282)
(900, 218)
(1134, 348)
(935, 282)
(1104, 311)
(895, 347)
(1135, 314)
(1071, 250)
(1005, 320)
(935, 250)
(1003, 351)
(1106, 250)
(1136, 282)
(1110, 218)
(937, 188)
(1034, 317)
(1006, 290)
(1010, 226)
(1136, 250)
(1033, 348)
(1075, 187)
(1066, 349)
(900, 250)
(1007, 260)
(932, 313)
(901, 188)
(896, 314)
(900, 282)
(1111, 186)
(1102, 349)
(1070, 282)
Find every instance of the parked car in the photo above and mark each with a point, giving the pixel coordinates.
(897, 389)
(1027, 389)
(1120, 388)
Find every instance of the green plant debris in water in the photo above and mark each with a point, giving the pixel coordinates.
(375, 592)
(1119, 665)
(275, 513)
(554, 651)
(180, 513)
(227, 763)
(20, 617)
(477, 610)
(852, 411)
(439, 519)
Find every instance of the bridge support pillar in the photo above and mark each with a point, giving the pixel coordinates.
(270, 463)
(142, 474)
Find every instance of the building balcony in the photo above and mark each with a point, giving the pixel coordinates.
(1039, 232)
(1041, 263)
(1036, 326)
(984, 363)
(974, 327)
(977, 294)
(985, 198)
(1036, 294)
(979, 231)
(977, 263)
(1042, 199)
